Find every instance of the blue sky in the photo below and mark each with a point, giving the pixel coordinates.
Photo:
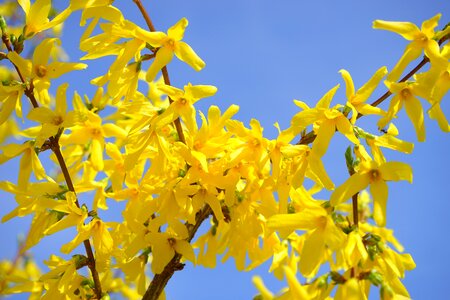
(263, 54)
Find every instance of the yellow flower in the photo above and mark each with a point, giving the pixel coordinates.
(54, 121)
(373, 174)
(166, 244)
(322, 234)
(404, 94)
(93, 133)
(102, 239)
(40, 71)
(183, 103)
(36, 16)
(326, 119)
(171, 44)
(75, 216)
(421, 39)
(29, 161)
(356, 100)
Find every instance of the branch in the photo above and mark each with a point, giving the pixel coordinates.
(53, 144)
(159, 281)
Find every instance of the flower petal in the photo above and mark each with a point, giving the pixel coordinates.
(185, 53)
(414, 111)
(395, 171)
(357, 182)
(405, 29)
(379, 191)
(177, 31)
(163, 57)
(325, 133)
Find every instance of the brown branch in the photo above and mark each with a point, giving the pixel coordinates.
(311, 136)
(145, 15)
(159, 281)
(53, 144)
(355, 209)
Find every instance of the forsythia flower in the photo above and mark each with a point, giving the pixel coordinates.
(374, 174)
(421, 39)
(183, 102)
(53, 121)
(327, 119)
(166, 244)
(322, 234)
(171, 44)
(404, 94)
(40, 71)
(93, 133)
(356, 100)
(29, 161)
(37, 16)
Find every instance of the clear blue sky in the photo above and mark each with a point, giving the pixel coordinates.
(263, 54)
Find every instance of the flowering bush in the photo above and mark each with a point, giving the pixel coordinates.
(176, 168)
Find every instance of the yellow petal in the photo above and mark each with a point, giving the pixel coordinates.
(317, 168)
(185, 53)
(41, 114)
(367, 89)
(405, 29)
(437, 114)
(344, 126)
(184, 248)
(349, 86)
(177, 31)
(297, 290)
(200, 91)
(357, 182)
(312, 254)
(414, 111)
(7, 107)
(304, 220)
(324, 134)
(379, 191)
(395, 171)
(325, 101)
(57, 69)
(410, 54)
(97, 155)
(259, 284)
(43, 50)
(163, 57)
(23, 64)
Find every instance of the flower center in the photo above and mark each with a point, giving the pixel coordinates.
(170, 43)
(96, 132)
(374, 175)
(41, 71)
(405, 93)
(58, 120)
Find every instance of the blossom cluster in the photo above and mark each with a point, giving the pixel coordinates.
(176, 167)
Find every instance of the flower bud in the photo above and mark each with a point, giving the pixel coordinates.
(3, 24)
